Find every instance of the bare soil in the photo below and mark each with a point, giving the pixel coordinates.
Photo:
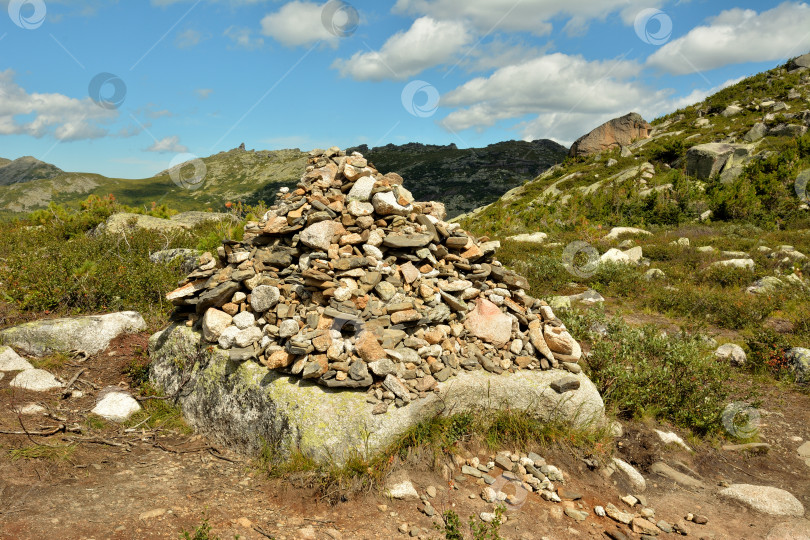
(150, 484)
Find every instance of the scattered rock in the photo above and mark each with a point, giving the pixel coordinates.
(636, 479)
(732, 353)
(11, 361)
(116, 406)
(665, 470)
(36, 380)
(532, 238)
(615, 133)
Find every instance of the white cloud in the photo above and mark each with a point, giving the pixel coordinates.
(243, 37)
(736, 36)
(188, 38)
(203, 93)
(66, 118)
(425, 44)
(168, 145)
(527, 15)
(298, 23)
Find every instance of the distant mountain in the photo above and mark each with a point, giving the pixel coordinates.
(464, 179)
(26, 169)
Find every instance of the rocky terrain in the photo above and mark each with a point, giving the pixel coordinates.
(677, 261)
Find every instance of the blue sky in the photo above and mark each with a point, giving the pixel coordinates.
(123, 88)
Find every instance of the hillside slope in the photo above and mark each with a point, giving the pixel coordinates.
(26, 169)
(736, 155)
(464, 179)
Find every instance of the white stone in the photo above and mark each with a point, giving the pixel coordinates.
(116, 406)
(615, 232)
(736, 263)
(359, 209)
(614, 255)
(385, 204)
(765, 499)
(244, 320)
(11, 361)
(532, 238)
(372, 251)
(214, 323)
(227, 337)
(731, 353)
(402, 490)
(672, 438)
(249, 335)
(36, 380)
(91, 334)
(635, 477)
(32, 409)
(361, 190)
(264, 297)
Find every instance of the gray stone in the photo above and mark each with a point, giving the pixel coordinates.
(736, 263)
(531, 238)
(799, 361)
(36, 380)
(214, 323)
(242, 405)
(319, 235)
(361, 190)
(732, 353)
(122, 222)
(565, 384)
(116, 406)
(757, 132)
(636, 479)
(678, 477)
(407, 240)
(11, 361)
(766, 499)
(798, 529)
(192, 219)
(616, 232)
(188, 257)
(654, 273)
(703, 161)
(382, 367)
(287, 328)
(91, 334)
(264, 297)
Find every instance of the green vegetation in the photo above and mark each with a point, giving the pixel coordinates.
(44, 452)
(452, 530)
(202, 532)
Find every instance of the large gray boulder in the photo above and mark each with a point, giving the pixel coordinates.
(123, 222)
(615, 133)
(703, 161)
(90, 334)
(192, 219)
(800, 62)
(243, 404)
(765, 499)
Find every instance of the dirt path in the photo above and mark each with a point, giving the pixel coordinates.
(156, 483)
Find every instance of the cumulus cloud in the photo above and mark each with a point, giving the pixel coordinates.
(298, 23)
(168, 145)
(243, 37)
(527, 15)
(66, 118)
(736, 36)
(425, 44)
(551, 84)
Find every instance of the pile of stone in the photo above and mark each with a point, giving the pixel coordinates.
(349, 282)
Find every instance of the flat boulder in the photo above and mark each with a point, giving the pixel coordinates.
(704, 161)
(244, 404)
(35, 380)
(123, 222)
(90, 334)
(766, 499)
(192, 219)
(615, 133)
(116, 406)
(11, 361)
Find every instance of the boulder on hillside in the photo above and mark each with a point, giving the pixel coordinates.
(90, 334)
(703, 161)
(192, 219)
(800, 62)
(619, 132)
(122, 222)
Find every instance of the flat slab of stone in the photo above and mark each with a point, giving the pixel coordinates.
(765, 499)
(90, 334)
(678, 477)
(531, 238)
(635, 477)
(240, 405)
(790, 530)
(11, 361)
(123, 221)
(36, 380)
(116, 406)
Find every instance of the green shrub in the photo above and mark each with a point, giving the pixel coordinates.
(641, 372)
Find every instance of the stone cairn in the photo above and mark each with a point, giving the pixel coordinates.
(350, 283)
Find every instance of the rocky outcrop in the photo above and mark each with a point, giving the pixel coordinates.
(243, 405)
(800, 62)
(90, 334)
(704, 161)
(615, 133)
